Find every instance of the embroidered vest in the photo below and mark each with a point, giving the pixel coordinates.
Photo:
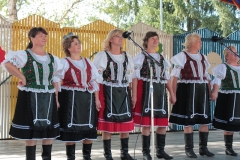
(157, 72)
(34, 73)
(191, 69)
(111, 72)
(74, 77)
(231, 80)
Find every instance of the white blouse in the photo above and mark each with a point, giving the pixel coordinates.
(138, 62)
(100, 61)
(219, 73)
(19, 59)
(81, 65)
(179, 61)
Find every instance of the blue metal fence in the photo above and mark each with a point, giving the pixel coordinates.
(207, 46)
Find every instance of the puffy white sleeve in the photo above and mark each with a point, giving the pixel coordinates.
(65, 65)
(179, 61)
(207, 64)
(138, 61)
(100, 62)
(130, 69)
(167, 65)
(17, 58)
(219, 73)
(58, 73)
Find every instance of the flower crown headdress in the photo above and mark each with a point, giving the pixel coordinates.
(70, 34)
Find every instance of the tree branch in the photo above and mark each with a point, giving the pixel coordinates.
(65, 14)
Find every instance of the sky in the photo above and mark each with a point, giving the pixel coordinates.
(55, 9)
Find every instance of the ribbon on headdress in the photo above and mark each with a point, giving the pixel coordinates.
(69, 35)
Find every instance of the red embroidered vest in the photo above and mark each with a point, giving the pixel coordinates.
(191, 70)
(73, 76)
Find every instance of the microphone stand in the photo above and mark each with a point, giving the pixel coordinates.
(150, 89)
(221, 42)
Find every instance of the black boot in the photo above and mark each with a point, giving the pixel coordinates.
(86, 150)
(124, 149)
(70, 152)
(46, 152)
(203, 139)
(107, 149)
(189, 145)
(30, 152)
(228, 143)
(145, 147)
(160, 144)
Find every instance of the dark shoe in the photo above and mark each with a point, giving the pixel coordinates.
(70, 152)
(160, 144)
(86, 150)
(228, 143)
(124, 150)
(203, 139)
(46, 152)
(189, 145)
(145, 147)
(30, 152)
(107, 149)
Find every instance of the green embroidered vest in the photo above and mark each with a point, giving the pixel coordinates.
(231, 80)
(38, 75)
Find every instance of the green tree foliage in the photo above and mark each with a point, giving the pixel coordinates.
(179, 15)
(122, 12)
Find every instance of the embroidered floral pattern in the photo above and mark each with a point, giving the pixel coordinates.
(145, 71)
(14, 61)
(193, 69)
(100, 71)
(78, 78)
(30, 74)
(112, 66)
(231, 80)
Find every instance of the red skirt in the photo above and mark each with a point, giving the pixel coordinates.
(111, 127)
(140, 120)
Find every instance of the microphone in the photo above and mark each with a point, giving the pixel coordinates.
(126, 34)
(216, 38)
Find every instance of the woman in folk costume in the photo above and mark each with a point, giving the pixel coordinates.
(141, 95)
(78, 113)
(191, 85)
(115, 109)
(226, 89)
(36, 109)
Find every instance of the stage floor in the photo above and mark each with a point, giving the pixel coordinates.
(15, 149)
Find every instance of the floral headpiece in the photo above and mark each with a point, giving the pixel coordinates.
(70, 34)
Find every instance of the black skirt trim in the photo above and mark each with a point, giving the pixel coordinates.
(76, 136)
(227, 112)
(22, 125)
(119, 104)
(160, 101)
(192, 105)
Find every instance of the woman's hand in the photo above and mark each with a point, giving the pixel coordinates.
(134, 100)
(214, 96)
(98, 105)
(58, 104)
(173, 99)
(22, 81)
